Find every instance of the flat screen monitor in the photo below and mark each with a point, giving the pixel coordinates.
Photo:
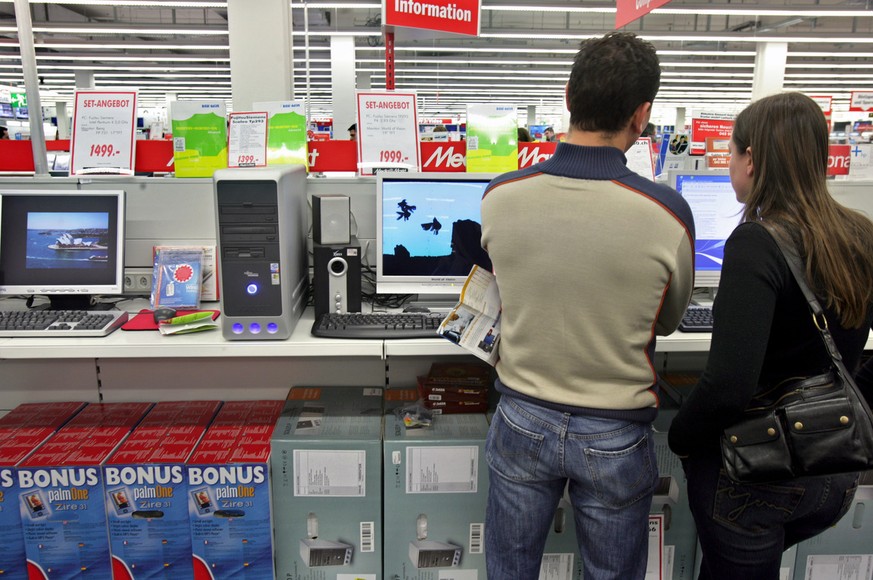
(68, 245)
(21, 112)
(62, 162)
(428, 232)
(716, 213)
(6, 111)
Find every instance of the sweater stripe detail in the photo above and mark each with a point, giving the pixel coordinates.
(688, 234)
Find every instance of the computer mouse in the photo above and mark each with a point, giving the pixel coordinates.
(164, 313)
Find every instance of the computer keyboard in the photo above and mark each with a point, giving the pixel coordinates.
(377, 326)
(697, 319)
(72, 323)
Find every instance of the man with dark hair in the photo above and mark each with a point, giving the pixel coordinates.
(353, 131)
(549, 134)
(4, 132)
(592, 262)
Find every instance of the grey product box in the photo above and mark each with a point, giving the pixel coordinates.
(846, 546)
(327, 484)
(435, 490)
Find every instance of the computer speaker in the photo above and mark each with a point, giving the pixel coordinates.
(330, 219)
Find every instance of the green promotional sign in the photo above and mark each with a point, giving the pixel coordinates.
(492, 138)
(286, 132)
(199, 138)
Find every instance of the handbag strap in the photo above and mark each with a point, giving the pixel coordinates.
(789, 251)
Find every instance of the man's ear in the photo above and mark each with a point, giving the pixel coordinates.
(641, 117)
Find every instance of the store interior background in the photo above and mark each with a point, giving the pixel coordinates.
(714, 56)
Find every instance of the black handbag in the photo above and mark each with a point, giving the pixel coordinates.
(818, 425)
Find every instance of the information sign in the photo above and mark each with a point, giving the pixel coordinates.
(247, 140)
(104, 132)
(387, 132)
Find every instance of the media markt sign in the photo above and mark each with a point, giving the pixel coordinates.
(456, 16)
(18, 100)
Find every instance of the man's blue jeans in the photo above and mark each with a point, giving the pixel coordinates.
(532, 453)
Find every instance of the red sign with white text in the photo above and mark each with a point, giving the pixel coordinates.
(443, 157)
(626, 11)
(457, 16)
(703, 129)
(838, 159)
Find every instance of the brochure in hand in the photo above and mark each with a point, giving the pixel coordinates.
(177, 278)
(474, 322)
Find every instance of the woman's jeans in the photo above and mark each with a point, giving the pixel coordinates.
(743, 529)
(532, 453)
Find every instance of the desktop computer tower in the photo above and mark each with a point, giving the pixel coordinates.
(337, 277)
(261, 217)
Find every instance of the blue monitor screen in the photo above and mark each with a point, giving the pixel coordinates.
(429, 231)
(21, 113)
(716, 213)
(6, 110)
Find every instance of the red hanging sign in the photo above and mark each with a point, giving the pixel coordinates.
(456, 16)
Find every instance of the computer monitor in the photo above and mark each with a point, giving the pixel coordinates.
(428, 232)
(716, 213)
(66, 244)
(6, 111)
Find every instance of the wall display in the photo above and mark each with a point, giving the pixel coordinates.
(286, 131)
(104, 132)
(387, 132)
(199, 137)
(839, 158)
(492, 138)
(247, 140)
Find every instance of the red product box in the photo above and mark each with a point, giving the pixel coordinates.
(229, 494)
(61, 492)
(146, 492)
(21, 431)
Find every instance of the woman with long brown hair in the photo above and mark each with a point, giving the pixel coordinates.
(763, 334)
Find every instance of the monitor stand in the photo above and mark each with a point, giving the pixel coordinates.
(72, 302)
(442, 303)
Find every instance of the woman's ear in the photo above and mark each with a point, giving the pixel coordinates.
(750, 165)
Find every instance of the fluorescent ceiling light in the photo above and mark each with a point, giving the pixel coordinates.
(331, 5)
(100, 57)
(127, 46)
(97, 30)
(120, 3)
(548, 8)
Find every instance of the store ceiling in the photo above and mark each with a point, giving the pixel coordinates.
(522, 56)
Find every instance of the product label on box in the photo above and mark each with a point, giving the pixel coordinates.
(147, 512)
(14, 559)
(442, 469)
(336, 473)
(229, 508)
(839, 567)
(64, 521)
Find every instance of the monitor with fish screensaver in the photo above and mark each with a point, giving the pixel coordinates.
(64, 244)
(428, 232)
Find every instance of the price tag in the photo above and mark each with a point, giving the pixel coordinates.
(104, 132)
(387, 132)
(247, 140)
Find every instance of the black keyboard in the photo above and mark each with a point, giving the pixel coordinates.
(697, 319)
(66, 323)
(377, 326)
